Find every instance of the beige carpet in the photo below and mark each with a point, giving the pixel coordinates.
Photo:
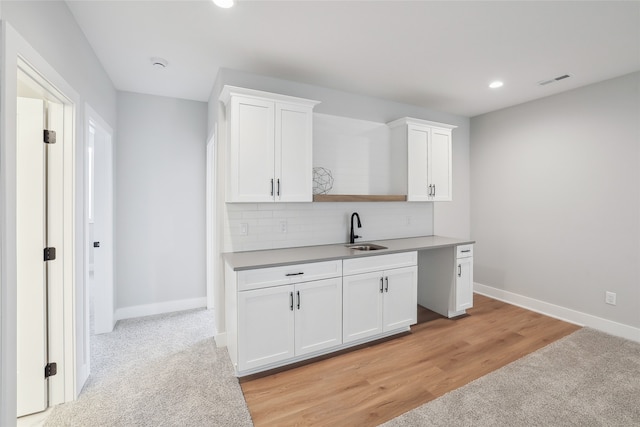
(585, 379)
(165, 371)
(158, 371)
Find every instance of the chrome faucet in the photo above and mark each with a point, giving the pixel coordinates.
(353, 236)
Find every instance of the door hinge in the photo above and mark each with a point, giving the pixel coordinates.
(50, 369)
(49, 136)
(49, 254)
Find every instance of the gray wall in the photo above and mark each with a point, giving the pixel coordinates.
(51, 29)
(160, 199)
(555, 204)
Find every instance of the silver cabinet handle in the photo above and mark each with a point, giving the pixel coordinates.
(298, 295)
(278, 191)
(386, 279)
(272, 186)
(459, 270)
(381, 285)
(294, 274)
(291, 300)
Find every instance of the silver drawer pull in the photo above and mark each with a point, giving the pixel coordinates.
(294, 274)
(466, 250)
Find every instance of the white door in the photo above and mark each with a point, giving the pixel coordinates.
(418, 174)
(101, 229)
(362, 305)
(400, 298)
(318, 318)
(293, 153)
(464, 283)
(31, 273)
(266, 328)
(440, 164)
(252, 151)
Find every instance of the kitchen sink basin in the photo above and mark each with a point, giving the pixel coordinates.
(366, 247)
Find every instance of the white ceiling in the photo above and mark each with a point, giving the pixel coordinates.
(435, 54)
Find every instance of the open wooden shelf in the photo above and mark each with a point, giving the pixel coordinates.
(359, 198)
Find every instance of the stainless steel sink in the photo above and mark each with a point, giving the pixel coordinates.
(366, 247)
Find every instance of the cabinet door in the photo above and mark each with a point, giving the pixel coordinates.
(418, 189)
(362, 306)
(251, 150)
(318, 314)
(440, 164)
(400, 298)
(265, 326)
(293, 153)
(464, 284)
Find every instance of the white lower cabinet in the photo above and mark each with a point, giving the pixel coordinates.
(380, 300)
(464, 279)
(266, 327)
(282, 322)
(446, 280)
(284, 314)
(318, 315)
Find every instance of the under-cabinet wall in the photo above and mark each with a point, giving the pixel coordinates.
(308, 224)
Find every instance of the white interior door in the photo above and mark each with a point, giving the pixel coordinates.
(31, 273)
(101, 230)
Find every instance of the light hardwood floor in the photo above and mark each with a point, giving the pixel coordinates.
(376, 383)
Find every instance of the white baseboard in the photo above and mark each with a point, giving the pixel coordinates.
(220, 339)
(559, 312)
(159, 308)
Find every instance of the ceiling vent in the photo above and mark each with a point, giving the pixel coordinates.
(553, 80)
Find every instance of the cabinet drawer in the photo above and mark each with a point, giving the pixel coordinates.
(379, 262)
(464, 251)
(296, 273)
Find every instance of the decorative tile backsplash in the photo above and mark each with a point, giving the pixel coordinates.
(255, 226)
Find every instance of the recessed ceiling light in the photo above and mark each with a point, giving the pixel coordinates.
(225, 4)
(159, 63)
(496, 84)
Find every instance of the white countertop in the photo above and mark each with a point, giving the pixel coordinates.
(276, 257)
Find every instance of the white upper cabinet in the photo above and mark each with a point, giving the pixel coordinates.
(421, 157)
(269, 146)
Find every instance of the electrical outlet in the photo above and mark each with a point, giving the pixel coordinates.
(610, 298)
(408, 220)
(244, 229)
(283, 226)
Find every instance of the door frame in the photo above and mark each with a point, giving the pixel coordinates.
(16, 48)
(211, 221)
